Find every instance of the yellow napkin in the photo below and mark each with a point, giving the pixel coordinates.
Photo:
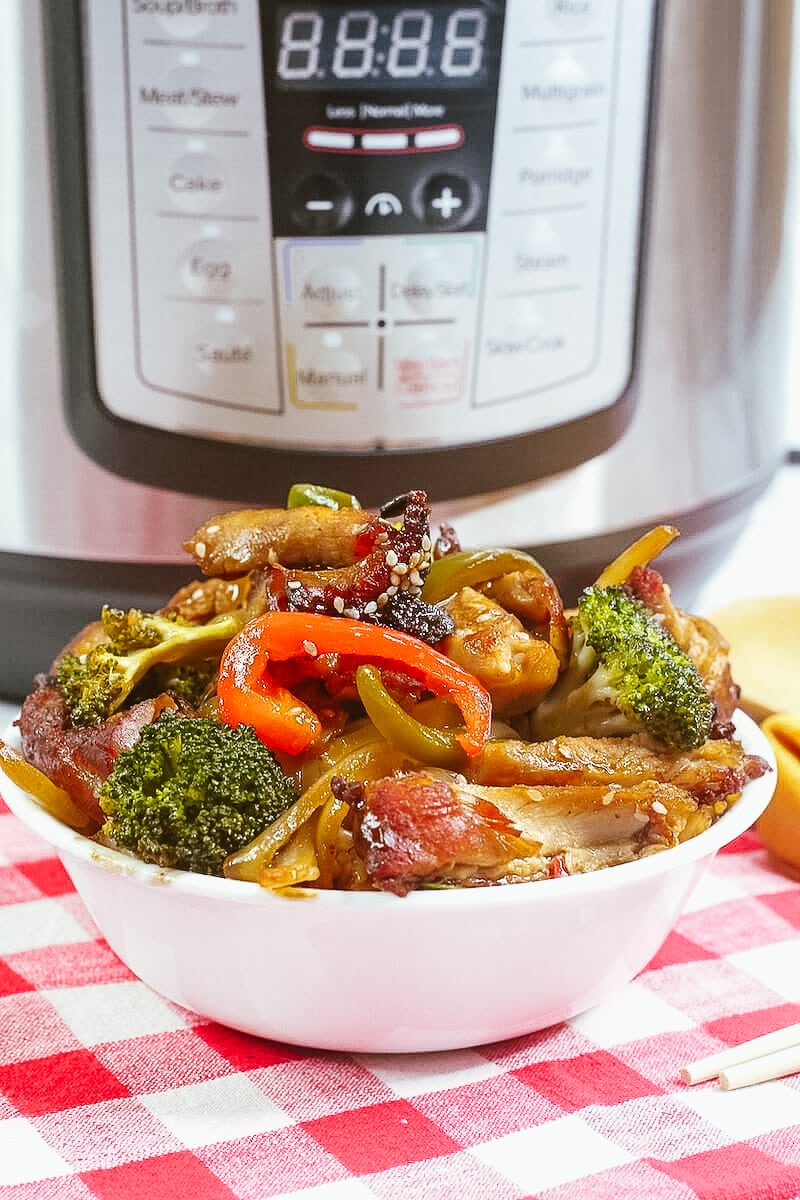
(764, 637)
(779, 825)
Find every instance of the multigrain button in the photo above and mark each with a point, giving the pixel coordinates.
(196, 183)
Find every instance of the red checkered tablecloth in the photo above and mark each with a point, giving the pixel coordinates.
(107, 1090)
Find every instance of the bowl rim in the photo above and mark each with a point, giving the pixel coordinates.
(754, 798)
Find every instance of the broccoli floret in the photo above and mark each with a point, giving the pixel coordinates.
(95, 684)
(190, 791)
(626, 674)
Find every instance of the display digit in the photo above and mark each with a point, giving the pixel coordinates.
(410, 43)
(464, 35)
(301, 34)
(355, 44)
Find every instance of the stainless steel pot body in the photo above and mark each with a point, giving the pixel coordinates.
(703, 408)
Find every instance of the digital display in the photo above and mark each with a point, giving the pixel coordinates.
(436, 45)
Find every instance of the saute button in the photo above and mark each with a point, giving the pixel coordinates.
(225, 346)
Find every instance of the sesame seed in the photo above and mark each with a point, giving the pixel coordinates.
(338, 604)
(294, 584)
(391, 591)
(370, 606)
(391, 558)
(401, 568)
(352, 613)
(659, 808)
(426, 543)
(310, 649)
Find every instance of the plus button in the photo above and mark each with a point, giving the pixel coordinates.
(446, 203)
(447, 200)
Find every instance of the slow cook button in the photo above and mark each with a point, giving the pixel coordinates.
(526, 347)
(207, 267)
(196, 183)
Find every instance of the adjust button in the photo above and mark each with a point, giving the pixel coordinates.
(321, 204)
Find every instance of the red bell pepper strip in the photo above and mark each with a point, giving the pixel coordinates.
(248, 695)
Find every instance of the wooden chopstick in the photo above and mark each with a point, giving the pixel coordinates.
(771, 1056)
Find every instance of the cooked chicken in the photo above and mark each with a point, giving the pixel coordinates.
(515, 666)
(417, 829)
(715, 771)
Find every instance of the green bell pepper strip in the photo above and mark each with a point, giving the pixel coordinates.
(247, 694)
(301, 494)
(470, 568)
(425, 743)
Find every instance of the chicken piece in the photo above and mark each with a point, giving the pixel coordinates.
(535, 599)
(203, 599)
(77, 758)
(414, 830)
(717, 769)
(516, 667)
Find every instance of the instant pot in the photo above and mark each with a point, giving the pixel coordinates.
(528, 255)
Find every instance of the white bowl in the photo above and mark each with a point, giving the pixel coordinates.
(371, 972)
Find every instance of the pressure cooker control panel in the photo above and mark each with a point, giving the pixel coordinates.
(353, 226)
